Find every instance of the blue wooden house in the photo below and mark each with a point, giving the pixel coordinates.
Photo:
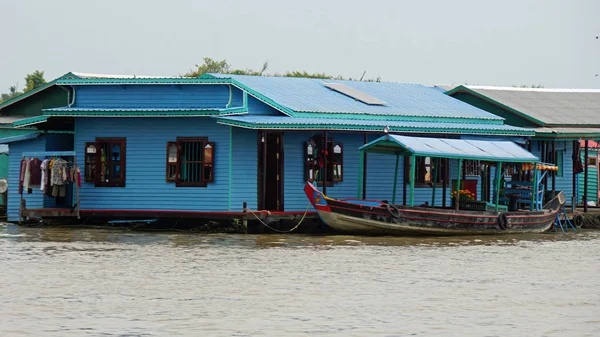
(204, 147)
(565, 122)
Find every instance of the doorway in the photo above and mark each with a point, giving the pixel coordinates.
(270, 171)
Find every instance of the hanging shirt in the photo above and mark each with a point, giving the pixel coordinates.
(44, 174)
(35, 173)
(59, 172)
(22, 175)
(27, 176)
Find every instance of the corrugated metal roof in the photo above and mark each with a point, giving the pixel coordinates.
(281, 122)
(311, 95)
(12, 139)
(11, 119)
(548, 106)
(497, 151)
(142, 112)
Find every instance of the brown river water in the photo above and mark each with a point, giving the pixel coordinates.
(105, 282)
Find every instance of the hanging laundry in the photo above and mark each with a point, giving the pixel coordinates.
(44, 174)
(27, 176)
(58, 174)
(35, 173)
(22, 175)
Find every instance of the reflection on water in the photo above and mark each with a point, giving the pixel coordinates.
(99, 282)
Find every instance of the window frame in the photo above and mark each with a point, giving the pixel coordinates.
(444, 164)
(311, 162)
(89, 163)
(204, 143)
(122, 141)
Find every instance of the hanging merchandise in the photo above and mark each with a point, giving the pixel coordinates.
(44, 174)
(35, 173)
(58, 177)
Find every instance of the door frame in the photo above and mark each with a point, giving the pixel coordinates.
(262, 172)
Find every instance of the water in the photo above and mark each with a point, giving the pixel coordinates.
(97, 282)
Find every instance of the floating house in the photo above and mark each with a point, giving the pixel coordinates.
(566, 124)
(219, 145)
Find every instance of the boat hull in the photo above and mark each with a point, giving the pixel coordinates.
(380, 218)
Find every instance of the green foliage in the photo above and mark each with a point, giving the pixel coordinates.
(34, 80)
(12, 93)
(223, 67)
(539, 86)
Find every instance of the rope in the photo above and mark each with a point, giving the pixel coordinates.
(280, 231)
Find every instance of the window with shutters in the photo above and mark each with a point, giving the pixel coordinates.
(190, 162)
(105, 162)
(316, 158)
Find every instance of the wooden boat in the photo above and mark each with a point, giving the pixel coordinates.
(381, 218)
(375, 217)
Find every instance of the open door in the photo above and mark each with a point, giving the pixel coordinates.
(270, 171)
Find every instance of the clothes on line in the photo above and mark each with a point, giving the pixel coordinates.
(55, 173)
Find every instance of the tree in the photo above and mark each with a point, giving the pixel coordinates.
(34, 80)
(209, 66)
(223, 67)
(12, 93)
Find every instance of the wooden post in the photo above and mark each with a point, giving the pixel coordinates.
(434, 175)
(364, 160)
(444, 182)
(585, 177)
(534, 188)
(555, 163)
(324, 149)
(361, 176)
(498, 176)
(457, 199)
(395, 179)
(413, 172)
(76, 190)
(575, 192)
(405, 172)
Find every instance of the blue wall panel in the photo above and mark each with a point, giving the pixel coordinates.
(256, 107)
(146, 188)
(156, 96)
(244, 175)
(34, 200)
(293, 142)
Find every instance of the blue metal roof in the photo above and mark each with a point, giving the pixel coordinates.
(12, 139)
(311, 95)
(497, 151)
(284, 122)
(147, 112)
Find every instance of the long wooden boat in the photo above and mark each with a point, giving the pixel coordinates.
(381, 218)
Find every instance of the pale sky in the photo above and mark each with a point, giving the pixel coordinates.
(509, 42)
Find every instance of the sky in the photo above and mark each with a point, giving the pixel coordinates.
(511, 42)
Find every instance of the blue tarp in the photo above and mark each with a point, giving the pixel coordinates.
(496, 151)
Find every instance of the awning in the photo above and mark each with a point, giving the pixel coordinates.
(495, 151)
(264, 122)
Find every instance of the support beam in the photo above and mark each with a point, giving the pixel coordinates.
(444, 182)
(395, 179)
(498, 179)
(361, 176)
(413, 166)
(534, 188)
(554, 172)
(325, 165)
(458, 178)
(405, 180)
(434, 176)
(585, 177)
(364, 163)
(575, 192)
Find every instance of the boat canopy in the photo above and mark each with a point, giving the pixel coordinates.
(494, 151)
